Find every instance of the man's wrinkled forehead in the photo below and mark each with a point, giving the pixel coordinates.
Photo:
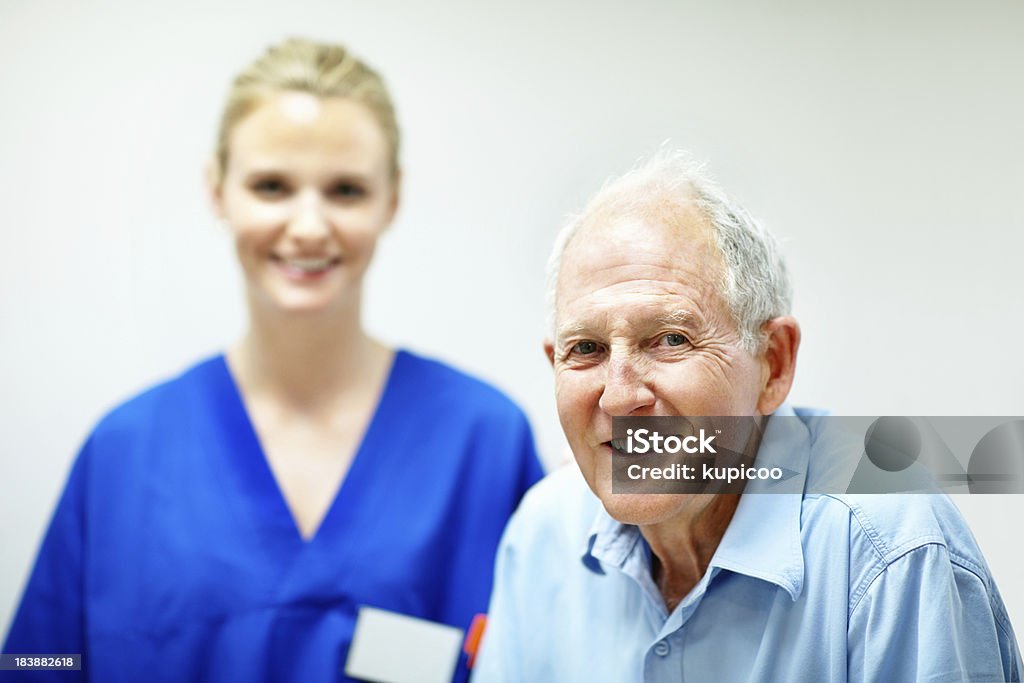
(600, 244)
(641, 316)
(633, 261)
(670, 225)
(639, 254)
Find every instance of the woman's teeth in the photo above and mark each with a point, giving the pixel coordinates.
(309, 264)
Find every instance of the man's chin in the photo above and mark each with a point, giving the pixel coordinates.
(643, 509)
(640, 509)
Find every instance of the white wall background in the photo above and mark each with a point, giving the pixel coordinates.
(884, 144)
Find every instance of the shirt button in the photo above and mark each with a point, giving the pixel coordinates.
(661, 648)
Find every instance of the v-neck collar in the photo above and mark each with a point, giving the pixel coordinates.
(266, 502)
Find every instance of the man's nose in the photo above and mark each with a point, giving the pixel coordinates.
(626, 388)
(309, 221)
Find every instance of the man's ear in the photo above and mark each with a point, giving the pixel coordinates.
(214, 184)
(549, 351)
(778, 358)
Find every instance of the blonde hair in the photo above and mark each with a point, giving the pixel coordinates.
(321, 69)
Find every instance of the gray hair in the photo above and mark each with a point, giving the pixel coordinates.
(754, 284)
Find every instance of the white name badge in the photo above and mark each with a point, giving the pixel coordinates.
(388, 647)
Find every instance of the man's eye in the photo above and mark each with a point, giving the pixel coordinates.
(674, 339)
(585, 348)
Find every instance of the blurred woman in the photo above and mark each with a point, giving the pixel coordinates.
(229, 523)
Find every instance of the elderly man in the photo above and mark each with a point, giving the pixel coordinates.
(670, 300)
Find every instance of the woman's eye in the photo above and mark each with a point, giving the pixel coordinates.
(269, 187)
(674, 339)
(347, 191)
(585, 348)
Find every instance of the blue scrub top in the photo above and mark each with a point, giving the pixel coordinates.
(172, 555)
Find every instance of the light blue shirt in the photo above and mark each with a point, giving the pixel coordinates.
(802, 587)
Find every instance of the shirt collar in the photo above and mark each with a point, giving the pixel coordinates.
(763, 538)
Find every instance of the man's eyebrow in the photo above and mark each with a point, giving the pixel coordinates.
(679, 317)
(570, 328)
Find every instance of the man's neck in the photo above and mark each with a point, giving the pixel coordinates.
(684, 545)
